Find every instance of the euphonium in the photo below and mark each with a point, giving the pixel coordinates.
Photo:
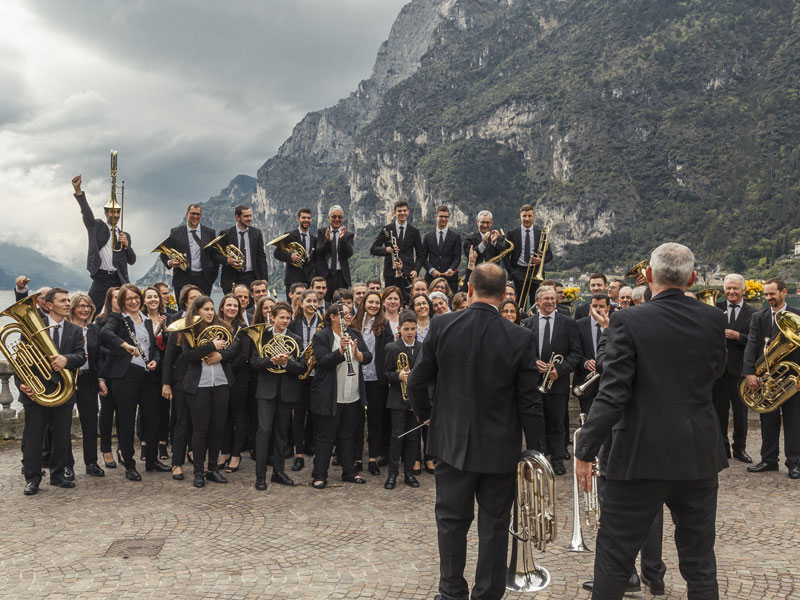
(591, 377)
(508, 250)
(591, 504)
(533, 523)
(547, 383)
(709, 296)
(281, 243)
(172, 254)
(229, 251)
(402, 365)
(778, 378)
(29, 357)
(638, 270)
(535, 272)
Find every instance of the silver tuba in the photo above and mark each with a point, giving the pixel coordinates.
(591, 504)
(534, 522)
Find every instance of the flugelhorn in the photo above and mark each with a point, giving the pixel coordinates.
(173, 254)
(547, 383)
(29, 357)
(228, 251)
(402, 365)
(591, 377)
(282, 243)
(533, 524)
(591, 504)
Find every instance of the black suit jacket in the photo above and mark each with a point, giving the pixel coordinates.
(113, 334)
(98, 236)
(515, 237)
(259, 258)
(94, 350)
(473, 240)
(564, 340)
(760, 329)
(411, 252)
(294, 274)
(323, 254)
(323, 388)
(394, 398)
(444, 258)
(660, 362)
(285, 386)
(742, 325)
(483, 400)
(210, 259)
(193, 358)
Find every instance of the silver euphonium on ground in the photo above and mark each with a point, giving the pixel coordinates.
(533, 522)
(591, 504)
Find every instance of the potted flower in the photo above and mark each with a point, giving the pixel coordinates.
(754, 293)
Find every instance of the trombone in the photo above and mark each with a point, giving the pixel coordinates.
(535, 272)
(591, 504)
(112, 204)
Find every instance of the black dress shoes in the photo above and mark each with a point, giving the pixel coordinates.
(199, 480)
(132, 474)
(158, 466)
(61, 482)
(762, 467)
(411, 481)
(656, 586)
(177, 475)
(31, 488)
(633, 585)
(298, 464)
(558, 467)
(373, 468)
(794, 472)
(216, 477)
(742, 456)
(94, 470)
(281, 478)
(391, 481)
(69, 474)
(261, 484)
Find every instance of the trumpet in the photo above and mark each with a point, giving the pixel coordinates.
(591, 377)
(535, 272)
(547, 383)
(591, 504)
(402, 365)
(229, 251)
(172, 254)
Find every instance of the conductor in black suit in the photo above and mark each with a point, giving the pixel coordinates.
(190, 239)
(555, 333)
(441, 251)
(763, 326)
(250, 241)
(726, 388)
(334, 249)
(110, 250)
(661, 361)
(295, 272)
(526, 243)
(482, 403)
(408, 248)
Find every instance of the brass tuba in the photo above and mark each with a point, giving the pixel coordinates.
(778, 378)
(591, 503)
(172, 254)
(709, 296)
(229, 251)
(29, 357)
(534, 522)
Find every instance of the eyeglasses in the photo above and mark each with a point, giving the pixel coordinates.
(417, 304)
(83, 307)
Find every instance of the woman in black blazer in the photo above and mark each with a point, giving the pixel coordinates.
(336, 411)
(375, 330)
(107, 405)
(132, 360)
(207, 384)
(235, 436)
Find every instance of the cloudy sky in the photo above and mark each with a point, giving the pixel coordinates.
(189, 92)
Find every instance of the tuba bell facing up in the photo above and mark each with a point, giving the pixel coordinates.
(282, 243)
(29, 357)
(778, 378)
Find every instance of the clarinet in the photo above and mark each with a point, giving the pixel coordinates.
(135, 341)
(348, 357)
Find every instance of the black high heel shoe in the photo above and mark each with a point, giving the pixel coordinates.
(162, 452)
(109, 465)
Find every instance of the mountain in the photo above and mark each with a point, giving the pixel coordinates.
(18, 260)
(628, 123)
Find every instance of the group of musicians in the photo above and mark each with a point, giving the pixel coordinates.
(403, 350)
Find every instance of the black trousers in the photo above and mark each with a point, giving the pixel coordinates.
(555, 407)
(301, 417)
(101, 281)
(191, 277)
(245, 277)
(137, 388)
(274, 417)
(108, 410)
(182, 432)
(402, 420)
(208, 408)
(339, 429)
(38, 418)
(789, 412)
(236, 424)
(628, 510)
(726, 395)
(376, 406)
(456, 493)
(86, 399)
(334, 281)
(518, 278)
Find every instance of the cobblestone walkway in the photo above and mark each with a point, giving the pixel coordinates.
(348, 541)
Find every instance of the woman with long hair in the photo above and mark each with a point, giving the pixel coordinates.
(108, 407)
(154, 308)
(418, 286)
(235, 436)
(439, 284)
(422, 307)
(392, 302)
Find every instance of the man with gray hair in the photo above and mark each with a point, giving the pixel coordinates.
(334, 249)
(487, 242)
(726, 389)
(655, 399)
(638, 295)
(625, 297)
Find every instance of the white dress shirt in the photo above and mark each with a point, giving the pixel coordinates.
(370, 370)
(542, 323)
(522, 261)
(335, 248)
(194, 250)
(248, 263)
(106, 253)
(347, 390)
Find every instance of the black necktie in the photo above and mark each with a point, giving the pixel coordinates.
(243, 247)
(334, 252)
(304, 242)
(732, 317)
(441, 239)
(546, 340)
(56, 337)
(597, 339)
(196, 237)
(528, 247)
(400, 237)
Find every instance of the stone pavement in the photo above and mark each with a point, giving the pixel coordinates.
(111, 538)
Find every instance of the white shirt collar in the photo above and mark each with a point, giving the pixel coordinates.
(190, 229)
(51, 322)
(241, 230)
(444, 231)
(741, 302)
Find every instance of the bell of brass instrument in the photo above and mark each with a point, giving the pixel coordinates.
(278, 344)
(547, 383)
(505, 252)
(29, 356)
(209, 334)
(112, 203)
(591, 504)
(709, 296)
(638, 270)
(282, 243)
(229, 251)
(172, 254)
(535, 272)
(579, 390)
(533, 522)
(402, 365)
(778, 378)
